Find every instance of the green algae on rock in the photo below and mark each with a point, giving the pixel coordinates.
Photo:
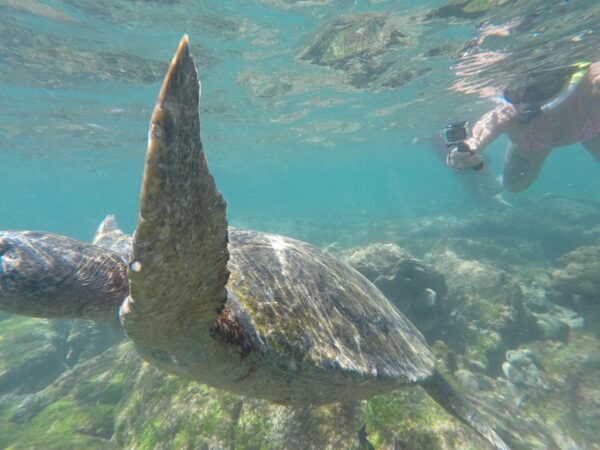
(577, 283)
(362, 46)
(488, 304)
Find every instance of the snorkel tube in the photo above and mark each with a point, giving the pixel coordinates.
(532, 108)
(568, 89)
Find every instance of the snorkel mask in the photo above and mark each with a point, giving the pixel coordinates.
(544, 91)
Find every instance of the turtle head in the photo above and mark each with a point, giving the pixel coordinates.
(46, 275)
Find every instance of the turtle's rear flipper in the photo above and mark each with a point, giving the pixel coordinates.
(521, 432)
(179, 265)
(459, 406)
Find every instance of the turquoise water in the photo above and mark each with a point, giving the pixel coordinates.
(309, 150)
(283, 136)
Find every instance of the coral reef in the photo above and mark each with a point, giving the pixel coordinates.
(489, 313)
(576, 283)
(511, 329)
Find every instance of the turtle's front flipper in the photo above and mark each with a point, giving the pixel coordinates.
(179, 266)
(51, 276)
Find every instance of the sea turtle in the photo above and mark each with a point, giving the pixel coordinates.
(253, 313)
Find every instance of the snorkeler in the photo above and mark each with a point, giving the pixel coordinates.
(545, 110)
(482, 185)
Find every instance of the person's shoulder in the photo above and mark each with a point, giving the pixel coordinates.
(594, 69)
(593, 72)
(593, 76)
(506, 108)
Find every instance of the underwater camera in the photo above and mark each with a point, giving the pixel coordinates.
(455, 135)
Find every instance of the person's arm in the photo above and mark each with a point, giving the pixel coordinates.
(490, 126)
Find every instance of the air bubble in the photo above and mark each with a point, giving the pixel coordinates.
(136, 266)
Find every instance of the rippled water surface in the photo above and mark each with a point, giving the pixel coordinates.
(290, 127)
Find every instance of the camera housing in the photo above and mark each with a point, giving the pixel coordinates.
(456, 133)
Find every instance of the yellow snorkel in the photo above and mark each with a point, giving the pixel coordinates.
(569, 88)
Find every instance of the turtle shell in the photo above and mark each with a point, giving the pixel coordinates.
(315, 314)
(310, 328)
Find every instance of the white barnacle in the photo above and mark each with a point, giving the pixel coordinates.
(428, 297)
(155, 131)
(126, 307)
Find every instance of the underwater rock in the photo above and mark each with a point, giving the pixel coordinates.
(476, 365)
(117, 400)
(487, 307)
(363, 45)
(467, 379)
(521, 368)
(569, 317)
(31, 356)
(416, 288)
(550, 327)
(523, 381)
(577, 283)
(535, 287)
(538, 229)
(556, 383)
(377, 259)
(328, 426)
(35, 352)
(87, 339)
(114, 399)
(553, 322)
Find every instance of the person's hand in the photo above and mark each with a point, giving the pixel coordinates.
(463, 160)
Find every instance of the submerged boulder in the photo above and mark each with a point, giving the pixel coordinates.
(488, 309)
(35, 352)
(536, 231)
(115, 400)
(417, 289)
(556, 383)
(576, 284)
(112, 399)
